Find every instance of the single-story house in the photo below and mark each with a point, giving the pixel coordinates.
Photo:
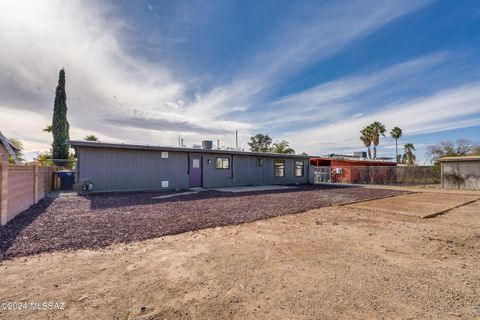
(460, 172)
(111, 167)
(7, 149)
(331, 170)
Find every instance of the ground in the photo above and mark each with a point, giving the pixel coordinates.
(361, 260)
(100, 220)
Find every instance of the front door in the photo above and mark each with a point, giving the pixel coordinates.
(195, 171)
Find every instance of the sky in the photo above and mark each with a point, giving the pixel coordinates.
(310, 72)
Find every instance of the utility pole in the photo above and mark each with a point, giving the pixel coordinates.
(236, 139)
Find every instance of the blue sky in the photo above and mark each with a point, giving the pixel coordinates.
(311, 72)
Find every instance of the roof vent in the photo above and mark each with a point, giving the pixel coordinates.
(207, 144)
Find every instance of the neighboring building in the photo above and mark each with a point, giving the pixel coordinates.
(7, 149)
(125, 167)
(330, 170)
(461, 172)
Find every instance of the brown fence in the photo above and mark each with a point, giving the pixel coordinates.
(22, 186)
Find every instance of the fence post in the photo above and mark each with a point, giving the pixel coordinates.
(3, 192)
(35, 183)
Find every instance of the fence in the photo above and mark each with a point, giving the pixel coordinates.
(22, 186)
(385, 175)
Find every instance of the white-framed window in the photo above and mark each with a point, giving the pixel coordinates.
(299, 168)
(279, 168)
(222, 163)
(164, 154)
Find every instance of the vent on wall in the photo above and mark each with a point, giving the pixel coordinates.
(164, 154)
(164, 184)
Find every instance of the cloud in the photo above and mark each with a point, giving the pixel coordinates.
(165, 125)
(119, 96)
(321, 32)
(445, 110)
(336, 99)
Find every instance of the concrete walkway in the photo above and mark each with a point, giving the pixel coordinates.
(252, 188)
(61, 194)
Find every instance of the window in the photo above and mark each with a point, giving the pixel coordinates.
(279, 168)
(222, 163)
(298, 168)
(260, 162)
(196, 163)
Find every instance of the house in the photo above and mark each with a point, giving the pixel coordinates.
(330, 170)
(110, 167)
(460, 172)
(7, 149)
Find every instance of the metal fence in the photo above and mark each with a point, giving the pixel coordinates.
(384, 175)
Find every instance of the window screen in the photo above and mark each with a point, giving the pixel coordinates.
(279, 168)
(222, 163)
(196, 163)
(298, 168)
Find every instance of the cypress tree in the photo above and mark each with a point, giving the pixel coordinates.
(60, 124)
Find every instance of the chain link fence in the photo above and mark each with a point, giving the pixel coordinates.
(384, 175)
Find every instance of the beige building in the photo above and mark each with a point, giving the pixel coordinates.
(461, 172)
(7, 149)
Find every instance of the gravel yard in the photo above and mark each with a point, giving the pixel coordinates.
(99, 220)
(336, 262)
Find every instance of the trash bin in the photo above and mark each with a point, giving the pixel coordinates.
(67, 179)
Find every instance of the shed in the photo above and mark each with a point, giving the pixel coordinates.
(112, 167)
(461, 172)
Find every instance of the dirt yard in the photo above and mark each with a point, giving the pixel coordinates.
(329, 263)
(101, 220)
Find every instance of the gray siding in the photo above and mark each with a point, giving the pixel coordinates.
(246, 172)
(461, 175)
(112, 169)
(125, 170)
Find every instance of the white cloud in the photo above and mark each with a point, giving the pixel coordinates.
(103, 79)
(446, 110)
(147, 100)
(336, 99)
(322, 33)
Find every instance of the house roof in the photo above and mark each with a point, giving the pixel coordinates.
(90, 144)
(460, 158)
(10, 147)
(356, 161)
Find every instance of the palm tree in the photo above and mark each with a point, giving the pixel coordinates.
(408, 155)
(396, 133)
(91, 137)
(282, 147)
(366, 137)
(378, 129)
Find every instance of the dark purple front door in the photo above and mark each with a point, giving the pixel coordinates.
(195, 171)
